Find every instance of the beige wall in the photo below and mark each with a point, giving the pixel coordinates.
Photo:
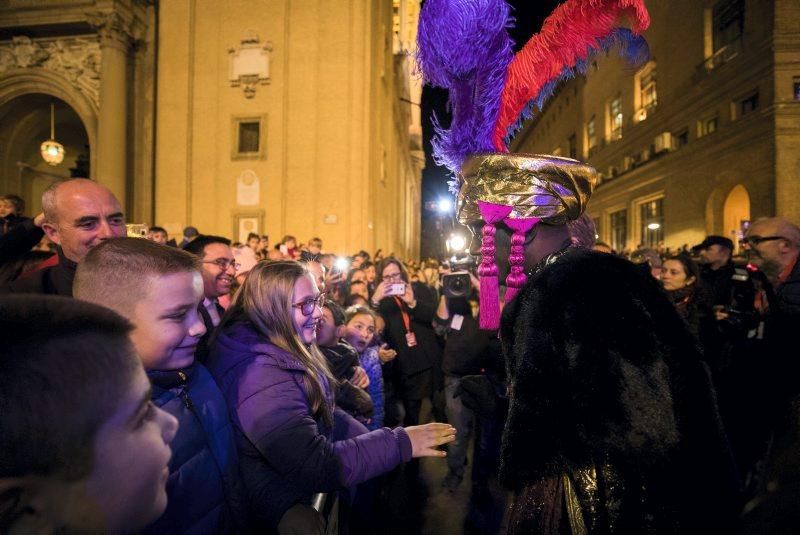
(695, 179)
(342, 154)
(337, 162)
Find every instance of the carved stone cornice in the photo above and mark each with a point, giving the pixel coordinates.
(77, 59)
(113, 29)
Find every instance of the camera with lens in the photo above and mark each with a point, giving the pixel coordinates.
(456, 285)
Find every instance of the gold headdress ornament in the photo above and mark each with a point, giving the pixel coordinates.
(464, 46)
(555, 190)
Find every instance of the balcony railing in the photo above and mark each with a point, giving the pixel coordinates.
(721, 56)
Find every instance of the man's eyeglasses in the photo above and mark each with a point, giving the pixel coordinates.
(224, 263)
(752, 241)
(392, 277)
(307, 307)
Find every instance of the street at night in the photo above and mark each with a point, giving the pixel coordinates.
(399, 266)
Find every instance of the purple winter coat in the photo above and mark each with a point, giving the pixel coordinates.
(286, 454)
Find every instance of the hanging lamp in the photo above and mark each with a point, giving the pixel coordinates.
(52, 151)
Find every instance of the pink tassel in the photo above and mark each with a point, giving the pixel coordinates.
(487, 270)
(516, 278)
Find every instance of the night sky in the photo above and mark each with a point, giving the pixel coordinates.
(529, 16)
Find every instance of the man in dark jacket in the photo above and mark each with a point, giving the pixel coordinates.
(773, 245)
(611, 414)
(79, 214)
(219, 269)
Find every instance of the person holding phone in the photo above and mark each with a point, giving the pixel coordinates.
(408, 310)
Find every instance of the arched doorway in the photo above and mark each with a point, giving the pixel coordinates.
(736, 212)
(24, 125)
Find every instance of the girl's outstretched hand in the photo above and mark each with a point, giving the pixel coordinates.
(426, 438)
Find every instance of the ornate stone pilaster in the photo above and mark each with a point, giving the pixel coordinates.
(112, 144)
(112, 29)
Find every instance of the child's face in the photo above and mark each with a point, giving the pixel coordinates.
(131, 453)
(360, 331)
(168, 327)
(305, 291)
(370, 273)
(326, 330)
(158, 237)
(359, 288)
(126, 489)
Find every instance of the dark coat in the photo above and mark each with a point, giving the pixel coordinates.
(201, 353)
(19, 240)
(607, 384)
(48, 279)
(204, 485)
(286, 454)
(411, 362)
(788, 294)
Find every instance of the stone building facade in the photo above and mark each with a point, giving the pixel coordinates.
(287, 117)
(702, 139)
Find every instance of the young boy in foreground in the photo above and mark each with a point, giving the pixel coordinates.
(158, 288)
(82, 447)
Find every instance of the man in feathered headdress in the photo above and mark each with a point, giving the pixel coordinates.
(612, 425)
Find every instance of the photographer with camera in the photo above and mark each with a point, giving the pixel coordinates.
(474, 388)
(408, 311)
(463, 348)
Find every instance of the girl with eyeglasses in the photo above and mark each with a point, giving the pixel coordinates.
(280, 399)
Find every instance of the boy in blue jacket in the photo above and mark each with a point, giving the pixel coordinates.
(159, 288)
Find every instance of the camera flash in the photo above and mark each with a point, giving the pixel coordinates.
(342, 263)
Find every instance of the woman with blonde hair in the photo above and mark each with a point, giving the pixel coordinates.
(278, 389)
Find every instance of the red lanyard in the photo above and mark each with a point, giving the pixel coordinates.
(406, 317)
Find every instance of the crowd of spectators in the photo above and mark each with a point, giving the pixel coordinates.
(279, 374)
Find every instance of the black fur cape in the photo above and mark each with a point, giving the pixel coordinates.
(602, 369)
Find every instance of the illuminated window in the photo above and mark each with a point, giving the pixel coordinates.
(646, 94)
(591, 136)
(615, 118)
(651, 216)
(707, 126)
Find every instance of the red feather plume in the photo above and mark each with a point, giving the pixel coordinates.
(568, 35)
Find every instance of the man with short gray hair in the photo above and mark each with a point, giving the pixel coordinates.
(78, 215)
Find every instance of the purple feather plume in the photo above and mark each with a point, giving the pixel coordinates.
(463, 46)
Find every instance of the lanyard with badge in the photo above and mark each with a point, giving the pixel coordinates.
(411, 339)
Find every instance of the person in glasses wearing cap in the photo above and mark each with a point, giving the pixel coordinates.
(729, 347)
(720, 276)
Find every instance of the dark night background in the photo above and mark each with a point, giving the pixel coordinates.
(529, 15)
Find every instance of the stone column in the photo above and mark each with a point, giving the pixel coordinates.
(112, 142)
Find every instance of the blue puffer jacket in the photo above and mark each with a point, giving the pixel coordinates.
(286, 454)
(203, 471)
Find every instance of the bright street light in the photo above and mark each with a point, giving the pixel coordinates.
(456, 243)
(445, 205)
(654, 226)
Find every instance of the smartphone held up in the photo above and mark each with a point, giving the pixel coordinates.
(396, 288)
